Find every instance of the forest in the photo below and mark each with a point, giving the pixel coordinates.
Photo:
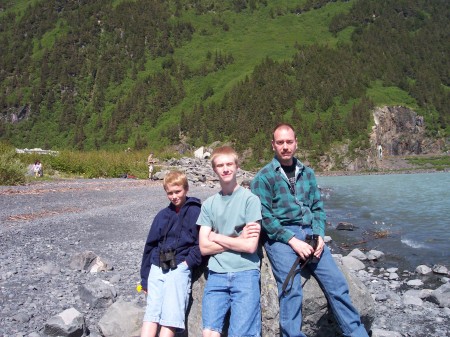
(104, 74)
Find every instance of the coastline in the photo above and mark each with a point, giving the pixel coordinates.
(53, 221)
(384, 172)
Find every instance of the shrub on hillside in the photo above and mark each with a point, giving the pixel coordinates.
(12, 170)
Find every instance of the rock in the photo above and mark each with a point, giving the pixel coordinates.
(34, 334)
(438, 269)
(423, 270)
(393, 276)
(441, 296)
(50, 268)
(375, 255)
(352, 263)
(122, 319)
(99, 293)
(69, 323)
(411, 300)
(199, 153)
(423, 293)
(385, 333)
(89, 261)
(21, 317)
(356, 253)
(414, 283)
(160, 175)
(317, 320)
(345, 226)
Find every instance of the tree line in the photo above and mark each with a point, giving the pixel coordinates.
(81, 69)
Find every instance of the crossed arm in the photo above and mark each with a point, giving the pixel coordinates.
(213, 243)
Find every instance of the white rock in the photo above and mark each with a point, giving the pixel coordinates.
(356, 253)
(423, 269)
(375, 255)
(415, 283)
(352, 263)
(393, 276)
(438, 269)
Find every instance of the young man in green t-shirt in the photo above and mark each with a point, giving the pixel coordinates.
(229, 234)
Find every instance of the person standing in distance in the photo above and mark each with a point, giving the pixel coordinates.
(291, 209)
(229, 235)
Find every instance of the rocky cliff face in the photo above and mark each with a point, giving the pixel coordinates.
(397, 131)
(400, 131)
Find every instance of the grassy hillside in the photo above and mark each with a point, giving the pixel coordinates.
(110, 75)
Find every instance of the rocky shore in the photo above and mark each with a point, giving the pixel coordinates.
(45, 229)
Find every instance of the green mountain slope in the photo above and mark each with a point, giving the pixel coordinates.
(117, 74)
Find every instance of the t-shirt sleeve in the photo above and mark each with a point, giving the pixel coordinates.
(253, 210)
(204, 219)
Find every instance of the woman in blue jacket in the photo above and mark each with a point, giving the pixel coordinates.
(170, 254)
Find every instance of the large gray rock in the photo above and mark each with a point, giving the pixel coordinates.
(317, 320)
(69, 323)
(441, 296)
(122, 319)
(89, 261)
(98, 293)
(352, 263)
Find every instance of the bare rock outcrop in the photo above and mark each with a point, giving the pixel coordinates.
(400, 131)
(317, 319)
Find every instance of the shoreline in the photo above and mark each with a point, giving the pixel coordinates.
(52, 221)
(386, 172)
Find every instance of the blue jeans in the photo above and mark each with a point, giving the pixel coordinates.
(330, 279)
(238, 292)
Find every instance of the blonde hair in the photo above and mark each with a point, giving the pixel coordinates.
(224, 150)
(176, 178)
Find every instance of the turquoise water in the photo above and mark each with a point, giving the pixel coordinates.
(414, 209)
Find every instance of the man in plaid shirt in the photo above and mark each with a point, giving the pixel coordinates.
(291, 209)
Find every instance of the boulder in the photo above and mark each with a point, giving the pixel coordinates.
(358, 254)
(317, 320)
(423, 269)
(199, 152)
(89, 261)
(352, 263)
(441, 296)
(98, 293)
(122, 319)
(375, 255)
(439, 269)
(345, 226)
(69, 323)
(415, 283)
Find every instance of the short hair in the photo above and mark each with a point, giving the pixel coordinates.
(176, 178)
(224, 150)
(283, 126)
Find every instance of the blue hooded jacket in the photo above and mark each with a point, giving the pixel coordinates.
(182, 237)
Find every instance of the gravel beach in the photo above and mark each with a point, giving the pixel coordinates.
(44, 224)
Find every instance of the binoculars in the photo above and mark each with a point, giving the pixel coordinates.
(313, 241)
(167, 260)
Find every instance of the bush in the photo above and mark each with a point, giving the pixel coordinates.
(12, 170)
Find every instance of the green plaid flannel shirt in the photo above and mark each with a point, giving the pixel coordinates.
(282, 205)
